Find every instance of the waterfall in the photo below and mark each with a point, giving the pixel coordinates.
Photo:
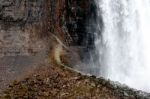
(124, 44)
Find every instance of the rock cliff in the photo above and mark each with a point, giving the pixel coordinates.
(31, 30)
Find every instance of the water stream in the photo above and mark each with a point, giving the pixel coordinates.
(124, 44)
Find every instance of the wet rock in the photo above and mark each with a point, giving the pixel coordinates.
(125, 94)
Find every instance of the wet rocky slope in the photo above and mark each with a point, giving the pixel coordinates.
(57, 82)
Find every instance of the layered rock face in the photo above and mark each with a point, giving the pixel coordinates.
(18, 19)
(20, 22)
(30, 29)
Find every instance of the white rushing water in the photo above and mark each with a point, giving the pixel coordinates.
(124, 44)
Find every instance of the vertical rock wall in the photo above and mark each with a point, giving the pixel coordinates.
(31, 28)
(78, 20)
(18, 19)
(80, 24)
(21, 25)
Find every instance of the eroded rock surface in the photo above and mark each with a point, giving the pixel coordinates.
(30, 29)
(19, 46)
(17, 20)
